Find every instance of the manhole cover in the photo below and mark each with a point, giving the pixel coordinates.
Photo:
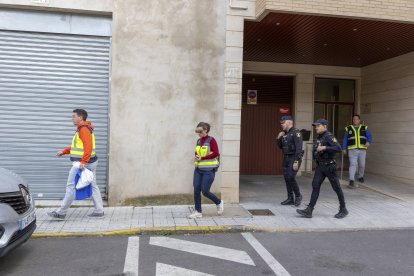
(261, 212)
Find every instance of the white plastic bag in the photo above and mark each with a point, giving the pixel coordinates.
(86, 177)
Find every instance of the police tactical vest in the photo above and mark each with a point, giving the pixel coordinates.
(77, 150)
(288, 142)
(323, 156)
(357, 139)
(203, 151)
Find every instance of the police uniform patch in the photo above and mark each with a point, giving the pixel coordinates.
(334, 140)
(298, 134)
(350, 132)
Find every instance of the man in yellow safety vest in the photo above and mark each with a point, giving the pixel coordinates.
(357, 139)
(82, 149)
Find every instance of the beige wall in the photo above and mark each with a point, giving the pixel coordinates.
(167, 75)
(304, 87)
(402, 10)
(387, 106)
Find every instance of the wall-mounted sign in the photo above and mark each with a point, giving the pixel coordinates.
(284, 110)
(251, 96)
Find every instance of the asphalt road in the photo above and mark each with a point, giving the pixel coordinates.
(312, 253)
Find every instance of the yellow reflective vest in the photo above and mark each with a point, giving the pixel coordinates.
(77, 150)
(203, 151)
(357, 139)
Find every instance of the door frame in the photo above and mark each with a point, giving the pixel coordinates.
(325, 103)
(275, 74)
(355, 104)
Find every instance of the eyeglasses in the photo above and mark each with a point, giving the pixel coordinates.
(198, 131)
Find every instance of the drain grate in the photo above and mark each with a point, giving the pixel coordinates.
(261, 212)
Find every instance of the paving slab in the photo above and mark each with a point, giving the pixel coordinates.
(369, 208)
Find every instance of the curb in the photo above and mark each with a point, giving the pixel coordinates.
(165, 231)
(149, 231)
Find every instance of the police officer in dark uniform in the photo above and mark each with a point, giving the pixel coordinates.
(324, 152)
(290, 141)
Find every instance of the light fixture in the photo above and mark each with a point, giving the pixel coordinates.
(355, 29)
(26, 195)
(277, 23)
(259, 39)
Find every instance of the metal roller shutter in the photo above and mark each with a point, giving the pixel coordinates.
(43, 77)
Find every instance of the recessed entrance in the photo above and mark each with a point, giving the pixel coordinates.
(334, 61)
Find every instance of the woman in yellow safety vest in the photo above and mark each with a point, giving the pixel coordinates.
(206, 164)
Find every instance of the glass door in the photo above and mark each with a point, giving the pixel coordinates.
(334, 101)
(339, 116)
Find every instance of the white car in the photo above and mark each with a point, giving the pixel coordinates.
(17, 211)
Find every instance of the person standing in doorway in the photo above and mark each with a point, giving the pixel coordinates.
(82, 150)
(206, 164)
(290, 141)
(324, 151)
(357, 139)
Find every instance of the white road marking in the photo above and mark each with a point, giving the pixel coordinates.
(277, 268)
(170, 270)
(132, 257)
(203, 249)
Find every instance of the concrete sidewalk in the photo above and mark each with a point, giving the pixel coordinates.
(368, 209)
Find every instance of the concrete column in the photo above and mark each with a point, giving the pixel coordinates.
(305, 83)
(230, 158)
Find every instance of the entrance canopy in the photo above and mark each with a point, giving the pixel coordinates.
(323, 40)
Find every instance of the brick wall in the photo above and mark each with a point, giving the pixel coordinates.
(387, 106)
(260, 6)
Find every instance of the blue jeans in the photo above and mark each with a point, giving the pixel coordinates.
(202, 183)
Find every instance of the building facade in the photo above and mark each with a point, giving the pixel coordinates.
(149, 71)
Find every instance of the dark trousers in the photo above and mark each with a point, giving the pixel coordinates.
(290, 176)
(202, 183)
(321, 172)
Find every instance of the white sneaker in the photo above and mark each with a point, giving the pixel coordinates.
(195, 215)
(220, 208)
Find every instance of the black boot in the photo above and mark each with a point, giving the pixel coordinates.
(298, 200)
(307, 213)
(288, 201)
(343, 212)
(351, 184)
(361, 180)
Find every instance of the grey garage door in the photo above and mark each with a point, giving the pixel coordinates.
(43, 77)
